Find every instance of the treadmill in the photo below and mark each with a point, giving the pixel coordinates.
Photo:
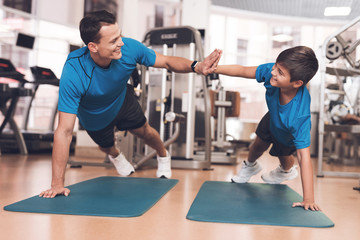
(35, 141)
(9, 97)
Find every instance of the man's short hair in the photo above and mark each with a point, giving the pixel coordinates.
(301, 63)
(91, 24)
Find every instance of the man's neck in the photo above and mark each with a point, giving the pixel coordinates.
(101, 62)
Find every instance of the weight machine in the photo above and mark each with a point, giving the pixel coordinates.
(223, 104)
(185, 94)
(334, 110)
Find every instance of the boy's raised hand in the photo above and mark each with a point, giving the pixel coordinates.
(307, 205)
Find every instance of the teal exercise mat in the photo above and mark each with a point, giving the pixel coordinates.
(253, 203)
(103, 196)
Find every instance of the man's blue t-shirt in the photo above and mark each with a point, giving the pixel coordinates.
(96, 94)
(290, 123)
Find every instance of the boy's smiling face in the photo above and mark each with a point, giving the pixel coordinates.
(280, 77)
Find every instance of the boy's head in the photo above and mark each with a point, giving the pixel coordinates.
(301, 63)
(91, 24)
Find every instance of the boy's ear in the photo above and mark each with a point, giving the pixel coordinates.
(298, 83)
(92, 47)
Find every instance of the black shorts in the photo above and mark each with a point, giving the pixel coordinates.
(129, 117)
(263, 132)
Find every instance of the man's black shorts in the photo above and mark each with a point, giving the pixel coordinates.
(129, 117)
(263, 132)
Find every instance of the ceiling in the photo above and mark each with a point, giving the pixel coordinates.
(298, 8)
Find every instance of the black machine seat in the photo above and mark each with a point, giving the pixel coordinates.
(44, 76)
(8, 70)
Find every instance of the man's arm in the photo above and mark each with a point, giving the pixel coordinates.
(306, 171)
(60, 155)
(183, 65)
(237, 71)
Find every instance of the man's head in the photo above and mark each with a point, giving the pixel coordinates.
(91, 24)
(300, 62)
(101, 34)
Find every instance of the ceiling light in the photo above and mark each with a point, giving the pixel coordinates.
(282, 38)
(337, 11)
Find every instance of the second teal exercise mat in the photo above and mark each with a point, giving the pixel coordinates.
(103, 196)
(253, 203)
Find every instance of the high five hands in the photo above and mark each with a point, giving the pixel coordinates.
(210, 63)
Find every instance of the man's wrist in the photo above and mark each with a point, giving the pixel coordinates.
(193, 65)
(59, 183)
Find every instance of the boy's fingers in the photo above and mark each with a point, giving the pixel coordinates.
(215, 63)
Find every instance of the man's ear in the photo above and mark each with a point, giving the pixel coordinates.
(298, 83)
(92, 47)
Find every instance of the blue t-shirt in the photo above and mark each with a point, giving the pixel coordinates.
(96, 94)
(290, 123)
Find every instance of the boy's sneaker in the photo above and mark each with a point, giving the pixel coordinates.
(246, 172)
(164, 166)
(279, 175)
(123, 167)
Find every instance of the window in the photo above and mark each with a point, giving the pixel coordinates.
(22, 5)
(241, 51)
(97, 5)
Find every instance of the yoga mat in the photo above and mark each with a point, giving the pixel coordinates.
(103, 196)
(253, 203)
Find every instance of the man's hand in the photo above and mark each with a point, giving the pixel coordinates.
(52, 192)
(307, 205)
(210, 63)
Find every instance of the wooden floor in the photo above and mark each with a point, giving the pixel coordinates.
(25, 176)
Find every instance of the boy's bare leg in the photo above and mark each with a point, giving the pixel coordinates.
(257, 148)
(287, 162)
(250, 168)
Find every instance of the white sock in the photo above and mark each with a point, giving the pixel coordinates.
(286, 171)
(250, 164)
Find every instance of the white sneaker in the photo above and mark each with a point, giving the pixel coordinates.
(246, 172)
(123, 167)
(164, 166)
(279, 175)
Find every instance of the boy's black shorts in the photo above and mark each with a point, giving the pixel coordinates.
(263, 132)
(129, 117)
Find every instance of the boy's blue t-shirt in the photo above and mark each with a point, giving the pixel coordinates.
(290, 124)
(96, 94)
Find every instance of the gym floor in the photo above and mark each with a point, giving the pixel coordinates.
(25, 176)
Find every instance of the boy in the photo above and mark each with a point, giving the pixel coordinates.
(287, 124)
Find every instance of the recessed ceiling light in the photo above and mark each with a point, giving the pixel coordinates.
(337, 11)
(282, 38)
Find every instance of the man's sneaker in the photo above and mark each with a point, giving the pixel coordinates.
(123, 167)
(164, 166)
(279, 175)
(247, 170)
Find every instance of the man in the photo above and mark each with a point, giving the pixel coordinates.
(93, 87)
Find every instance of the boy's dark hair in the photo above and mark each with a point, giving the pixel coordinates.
(90, 25)
(301, 63)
